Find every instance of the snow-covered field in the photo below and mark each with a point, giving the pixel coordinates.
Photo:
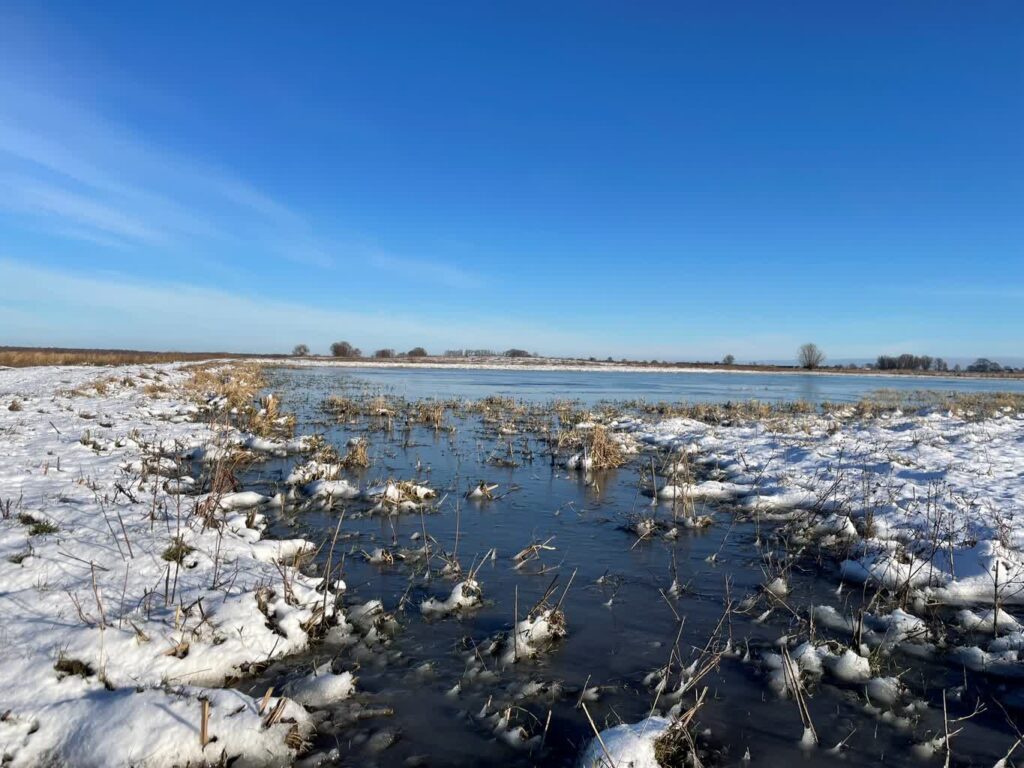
(122, 609)
(932, 502)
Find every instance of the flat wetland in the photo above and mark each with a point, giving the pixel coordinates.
(637, 608)
(239, 562)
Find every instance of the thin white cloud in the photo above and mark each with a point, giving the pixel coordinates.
(78, 210)
(427, 271)
(77, 310)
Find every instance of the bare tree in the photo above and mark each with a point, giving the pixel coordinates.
(384, 353)
(729, 360)
(300, 350)
(416, 352)
(810, 357)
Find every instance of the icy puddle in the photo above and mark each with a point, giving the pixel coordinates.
(502, 603)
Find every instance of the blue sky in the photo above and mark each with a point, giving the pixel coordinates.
(672, 180)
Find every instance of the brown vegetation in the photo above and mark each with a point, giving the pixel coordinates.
(23, 357)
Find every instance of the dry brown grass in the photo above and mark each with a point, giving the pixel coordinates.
(268, 420)
(603, 451)
(23, 357)
(969, 405)
(343, 408)
(723, 413)
(430, 413)
(239, 383)
(357, 457)
(322, 451)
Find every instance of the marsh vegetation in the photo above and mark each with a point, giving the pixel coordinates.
(379, 579)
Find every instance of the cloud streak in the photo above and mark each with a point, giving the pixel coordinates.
(69, 309)
(86, 177)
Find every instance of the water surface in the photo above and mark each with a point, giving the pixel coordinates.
(618, 631)
(594, 386)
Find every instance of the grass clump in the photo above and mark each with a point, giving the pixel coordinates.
(66, 666)
(155, 389)
(268, 421)
(357, 456)
(237, 383)
(604, 452)
(323, 451)
(37, 527)
(177, 551)
(597, 445)
(343, 408)
(15, 405)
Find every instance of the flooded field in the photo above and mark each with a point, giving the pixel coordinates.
(240, 564)
(654, 386)
(658, 603)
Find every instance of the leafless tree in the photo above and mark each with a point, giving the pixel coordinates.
(810, 357)
(301, 350)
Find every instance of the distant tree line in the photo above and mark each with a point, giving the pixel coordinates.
(809, 356)
(984, 365)
(345, 349)
(907, 362)
(487, 353)
(470, 353)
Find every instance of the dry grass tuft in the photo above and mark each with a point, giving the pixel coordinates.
(66, 666)
(322, 451)
(603, 451)
(237, 383)
(343, 408)
(431, 413)
(357, 456)
(37, 527)
(177, 551)
(268, 421)
(234, 388)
